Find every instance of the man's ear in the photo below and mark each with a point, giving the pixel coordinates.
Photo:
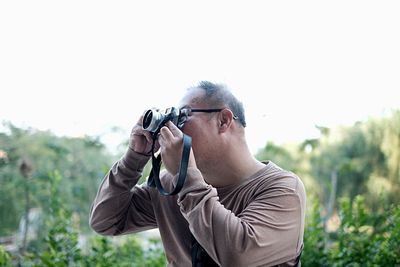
(225, 120)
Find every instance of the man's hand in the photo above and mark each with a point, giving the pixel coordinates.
(171, 144)
(140, 140)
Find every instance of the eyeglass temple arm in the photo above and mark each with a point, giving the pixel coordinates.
(210, 110)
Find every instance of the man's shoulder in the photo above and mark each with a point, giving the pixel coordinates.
(275, 177)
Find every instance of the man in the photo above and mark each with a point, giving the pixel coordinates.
(232, 210)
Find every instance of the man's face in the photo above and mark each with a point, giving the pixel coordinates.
(201, 126)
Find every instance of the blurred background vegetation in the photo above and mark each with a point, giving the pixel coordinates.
(351, 174)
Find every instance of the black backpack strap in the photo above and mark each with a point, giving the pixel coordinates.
(200, 258)
(298, 263)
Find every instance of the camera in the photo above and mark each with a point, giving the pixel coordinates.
(154, 120)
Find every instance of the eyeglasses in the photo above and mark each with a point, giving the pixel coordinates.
(188, 111)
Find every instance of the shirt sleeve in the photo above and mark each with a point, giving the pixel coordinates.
(120, 205)
(265, 233)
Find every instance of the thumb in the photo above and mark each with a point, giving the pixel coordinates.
(174, 130)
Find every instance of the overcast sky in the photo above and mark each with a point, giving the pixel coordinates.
(81, 67)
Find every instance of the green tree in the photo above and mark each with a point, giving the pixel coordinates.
(60, 244)
(82, 162)
(281, 155)
(391, 150)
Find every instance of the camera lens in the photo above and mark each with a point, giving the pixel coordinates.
(151, 120)
(148, 116)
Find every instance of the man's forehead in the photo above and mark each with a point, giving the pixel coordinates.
(193, 97)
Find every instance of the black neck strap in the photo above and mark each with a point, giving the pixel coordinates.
(154, 178)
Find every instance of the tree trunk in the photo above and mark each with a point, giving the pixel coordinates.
(26, 218)
(26, 168)
(332, 197)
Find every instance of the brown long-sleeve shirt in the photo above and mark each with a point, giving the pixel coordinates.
(258, 222)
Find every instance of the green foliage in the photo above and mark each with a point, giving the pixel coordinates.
(279, 155)
(82, 162)
(363, 238)
(344, 163)
(130, 252)
(315, 238)
(104, 253)
(354, 233)
(60, 245)
(346, 152)
(5, 258)
(387, 246)
(61, 240)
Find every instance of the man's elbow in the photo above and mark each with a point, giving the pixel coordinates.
(100, 227)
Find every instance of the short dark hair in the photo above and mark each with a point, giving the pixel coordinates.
(219, 94)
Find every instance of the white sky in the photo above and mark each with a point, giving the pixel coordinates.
(78, 67)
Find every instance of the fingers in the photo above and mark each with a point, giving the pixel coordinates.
(140, 140)
(148, 136)
(166, 134)
(170, 135)
(174, 130)
(171, 149)
(140, 121)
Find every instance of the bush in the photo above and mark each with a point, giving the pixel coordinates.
(130, 252)
(315, 240)
(5, 258)
(59, 247)
(362, 238)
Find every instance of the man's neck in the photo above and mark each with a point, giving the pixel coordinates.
(238, 165)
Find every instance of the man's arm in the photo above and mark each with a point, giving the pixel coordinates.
(121, 206)
(266, 232)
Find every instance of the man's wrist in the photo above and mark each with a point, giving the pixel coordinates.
(134, 160)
